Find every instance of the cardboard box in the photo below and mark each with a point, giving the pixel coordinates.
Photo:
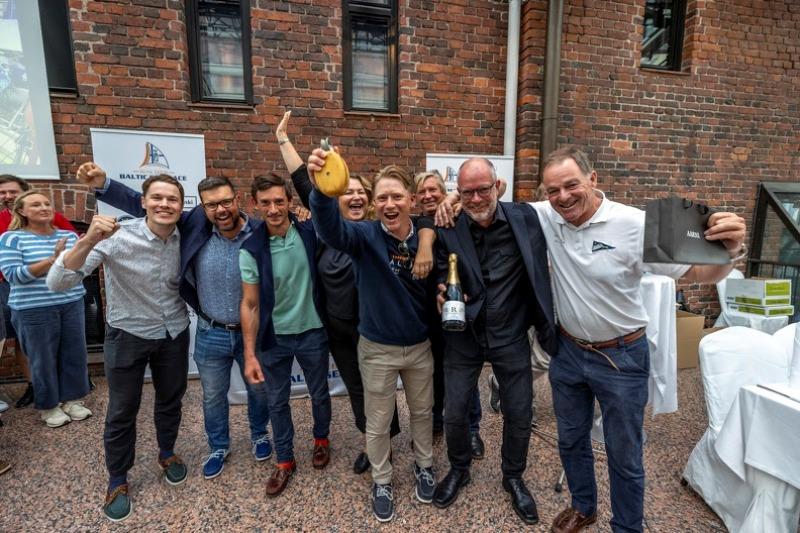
(763, 310)
(769, 300)
(689, 331)
(757, 289)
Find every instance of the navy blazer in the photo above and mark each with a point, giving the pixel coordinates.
(529, 236)
(258, 246)
(195, 230)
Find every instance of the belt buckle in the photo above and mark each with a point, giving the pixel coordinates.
(231, 327)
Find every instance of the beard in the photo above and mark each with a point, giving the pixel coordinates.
(481, 215)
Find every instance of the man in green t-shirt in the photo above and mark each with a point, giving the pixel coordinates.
(278, 269)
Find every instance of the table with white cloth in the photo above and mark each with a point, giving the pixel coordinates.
(658, 295)
(767, 324)
(760, 443)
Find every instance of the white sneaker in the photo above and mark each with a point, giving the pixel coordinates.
(75, 410)
(55, 417)
(3, 406)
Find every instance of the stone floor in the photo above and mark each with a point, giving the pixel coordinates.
(58, 479)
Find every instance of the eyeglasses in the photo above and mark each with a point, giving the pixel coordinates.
(483, 192)
(225, 204)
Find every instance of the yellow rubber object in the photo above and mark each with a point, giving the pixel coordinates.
(334, 177)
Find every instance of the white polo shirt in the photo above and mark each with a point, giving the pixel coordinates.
(597, 269)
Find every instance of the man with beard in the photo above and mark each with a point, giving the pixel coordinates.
(11, 187)
(502, 265)
(211, 235)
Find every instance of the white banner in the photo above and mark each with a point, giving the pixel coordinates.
(448, 165)
(27, 143)
(130, 157)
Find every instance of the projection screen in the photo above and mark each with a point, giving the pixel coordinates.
(27, 144)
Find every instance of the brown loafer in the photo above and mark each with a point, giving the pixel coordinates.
(322, 453)
(280, 478)
(571, 521)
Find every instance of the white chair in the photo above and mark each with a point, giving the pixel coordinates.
(724, 318)
(729, 359)
(785, 337)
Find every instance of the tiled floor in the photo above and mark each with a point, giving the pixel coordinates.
(58, 477)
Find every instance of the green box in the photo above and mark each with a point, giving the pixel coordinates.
(769, 300)
(757, 289)
(763, 310)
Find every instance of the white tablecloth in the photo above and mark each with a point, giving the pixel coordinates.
(760, 443)
(767, 324)
(762, 430)
(658, 294)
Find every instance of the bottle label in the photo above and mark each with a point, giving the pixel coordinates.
(453, 310)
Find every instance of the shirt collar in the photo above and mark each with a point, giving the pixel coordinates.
(289, 232)
(410, 233)
(150, 236)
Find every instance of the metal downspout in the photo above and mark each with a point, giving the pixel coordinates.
(552, 74)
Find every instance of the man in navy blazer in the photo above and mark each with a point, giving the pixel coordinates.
(502, 266)
(211, 235)
(283, 254)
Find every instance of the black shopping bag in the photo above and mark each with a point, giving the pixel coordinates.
(673, 233)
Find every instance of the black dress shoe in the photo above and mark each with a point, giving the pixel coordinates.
(27, 397)
(476, 445)
(521, 500)
(447, 489)
(362, 463)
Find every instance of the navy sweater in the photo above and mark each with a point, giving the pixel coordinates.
(392, 306)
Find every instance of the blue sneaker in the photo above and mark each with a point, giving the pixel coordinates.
(214, 463)
(262, 448)
(383, 502)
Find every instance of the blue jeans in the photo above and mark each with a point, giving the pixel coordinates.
(55, 342)
(215, 350)
(311, 350)
(579, 376)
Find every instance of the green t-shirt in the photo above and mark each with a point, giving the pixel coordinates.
(294, 310)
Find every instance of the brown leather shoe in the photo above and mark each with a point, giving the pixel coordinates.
(280, 478)
(322, 453)
(571, 521)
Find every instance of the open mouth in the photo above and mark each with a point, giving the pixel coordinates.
(391, 217)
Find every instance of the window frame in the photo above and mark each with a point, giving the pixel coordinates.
(46, 21)
(676, 38)
(369, 12)
(196, 61)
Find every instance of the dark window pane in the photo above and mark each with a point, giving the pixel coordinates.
(384, 3)
(221, 58)
(59, 62)
(370, 42)
(662, 38)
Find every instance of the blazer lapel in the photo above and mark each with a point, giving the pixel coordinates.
(468, 247)
(520, 230)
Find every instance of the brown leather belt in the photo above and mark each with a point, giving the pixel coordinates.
(612, 343)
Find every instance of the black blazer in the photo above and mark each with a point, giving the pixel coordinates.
(529, 236)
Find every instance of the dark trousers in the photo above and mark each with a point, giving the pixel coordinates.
(475, 411)
(579, 376)
(343, 343)
(512, 367)
(310, 348)
(126, 356)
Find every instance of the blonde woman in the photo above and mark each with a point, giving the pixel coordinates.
(49, 324)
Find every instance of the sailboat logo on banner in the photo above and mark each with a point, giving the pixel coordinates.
(153, 157)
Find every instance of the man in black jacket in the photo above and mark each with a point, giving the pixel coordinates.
(502, 264)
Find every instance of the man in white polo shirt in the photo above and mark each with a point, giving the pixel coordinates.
(595, 250)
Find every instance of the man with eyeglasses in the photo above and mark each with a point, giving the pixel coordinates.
(211, 236)
(282, 298)
(393, 324)
(502, 264)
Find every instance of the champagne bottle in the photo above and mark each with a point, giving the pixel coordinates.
(453, 311)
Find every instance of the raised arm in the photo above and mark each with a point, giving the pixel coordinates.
(109, 191)
(730, 229)
(342, 234)
(71, 267)
(290, 156)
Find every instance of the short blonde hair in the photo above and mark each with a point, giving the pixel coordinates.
(396, 173)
